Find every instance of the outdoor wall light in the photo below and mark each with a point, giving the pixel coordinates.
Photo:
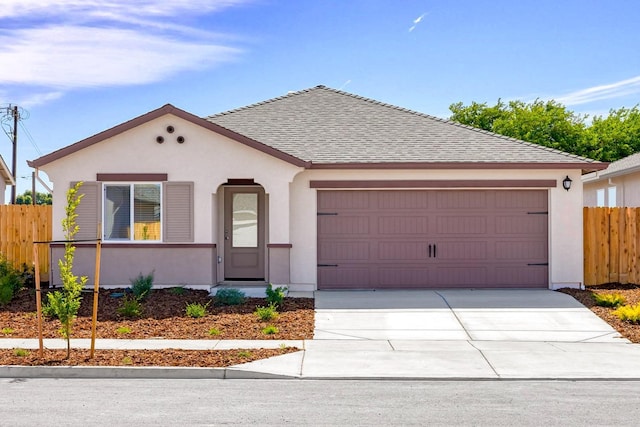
(566, 183)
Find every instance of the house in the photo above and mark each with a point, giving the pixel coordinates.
(6, 179)
(321, 189)
(617, 185)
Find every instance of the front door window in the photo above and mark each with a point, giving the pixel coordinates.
(245, 220)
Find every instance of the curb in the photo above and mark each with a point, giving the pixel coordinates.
(149, 372)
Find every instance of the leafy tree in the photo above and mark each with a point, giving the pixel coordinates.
(26, 198)
(546, 123)
(65, 304)
(617, 135)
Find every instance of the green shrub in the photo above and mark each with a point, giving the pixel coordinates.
(275, 295)
(20, 352)
(229, 296)
(123, 330)
(215, 331)
(628, 313)
(141, 285)
(130, 306)
(178, 290)
(608, 300)
(10, 281)
(6, 331)
(267, 313)
(197, 310)
(270, 330)
(244, 353)
(127, 360)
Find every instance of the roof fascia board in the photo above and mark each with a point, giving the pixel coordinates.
(462, 165)
(6, 173)
(166, 109)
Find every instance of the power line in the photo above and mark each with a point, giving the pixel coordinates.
(30, 138)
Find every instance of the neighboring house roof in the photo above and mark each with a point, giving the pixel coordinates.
(327, 128)
(624, 166)
(5, 173)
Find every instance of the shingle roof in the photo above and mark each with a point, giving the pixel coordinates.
(328, 126)
(625, 165)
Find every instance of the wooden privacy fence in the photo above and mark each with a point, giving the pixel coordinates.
(611, 246)
(20, 226)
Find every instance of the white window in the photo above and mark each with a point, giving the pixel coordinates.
(132, 212)
(611, 197)
(600, 198)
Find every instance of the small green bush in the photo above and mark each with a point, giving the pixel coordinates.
(6, 331)
(123, 330)
(196, 310)
(229, 296)
(127, 360)
(275, 295)
(608, 300)
(244, 353)
(20, 352)
(270, 330)
(130, 306)
(267, 313)
(215, 331)
(178, 290)
(10, 281)
(141, 285)
(628, 313)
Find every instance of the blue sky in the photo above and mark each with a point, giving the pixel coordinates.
(79, 67)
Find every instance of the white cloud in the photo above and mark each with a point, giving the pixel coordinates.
(59, 45)
(68, 57)
(416, 22)
(598, 93)
(35, 99)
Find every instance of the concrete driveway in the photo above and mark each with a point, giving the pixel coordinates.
(458, 315)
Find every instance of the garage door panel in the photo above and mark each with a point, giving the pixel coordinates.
(521, 199)
(479, 238)
(519, 276)
(395, 225)
(461, 199)
(459, 224)
(524, 250)
(469, 250)
(521, 224)
(339, 251)
(459, 276)
(390, 277)
(402, 251)
(402, 200)
(343, 224)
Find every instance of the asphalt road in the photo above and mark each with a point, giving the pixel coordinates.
(116, 402)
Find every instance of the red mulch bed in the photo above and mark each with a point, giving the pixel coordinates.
(631, 294)
(163, 317)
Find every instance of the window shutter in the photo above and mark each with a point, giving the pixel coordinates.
(89, 210)
(178, 212)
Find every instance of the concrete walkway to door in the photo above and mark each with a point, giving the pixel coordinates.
(458, 315)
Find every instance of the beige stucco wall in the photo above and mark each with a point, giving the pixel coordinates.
(205, 158)
(565, 217)
(627, 190)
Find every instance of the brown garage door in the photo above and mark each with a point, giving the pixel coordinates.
(432, 239)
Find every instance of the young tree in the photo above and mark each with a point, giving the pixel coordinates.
(64, 304)
(617, 135)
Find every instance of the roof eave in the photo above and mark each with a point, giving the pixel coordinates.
(6, 173)
(585, 167)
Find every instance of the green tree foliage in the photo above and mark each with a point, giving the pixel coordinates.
(617, 135)
(64, 304)
(27, 199)
(546, 123)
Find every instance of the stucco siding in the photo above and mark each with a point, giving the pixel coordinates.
(627, 191)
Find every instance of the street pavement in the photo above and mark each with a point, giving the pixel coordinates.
(447, 334)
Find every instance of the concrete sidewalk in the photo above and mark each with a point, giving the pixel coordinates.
(370, 359)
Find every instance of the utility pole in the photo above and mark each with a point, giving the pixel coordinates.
(15, 155)
(15, 113)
